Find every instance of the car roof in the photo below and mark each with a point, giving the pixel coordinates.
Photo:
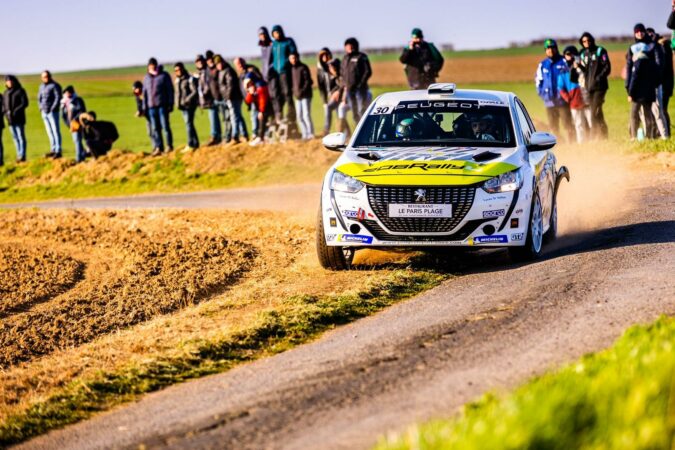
(459, 94)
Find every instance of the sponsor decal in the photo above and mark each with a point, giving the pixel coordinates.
(518, 211)
(517, 237)
(350, 214)
(330, 237)
(359, 238)
(437, 105)
(420, 210)
(494, 239)
(333, 222)
(496, 198)
(494, 213)
(421, 166)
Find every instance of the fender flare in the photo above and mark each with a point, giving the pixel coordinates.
(563, 172)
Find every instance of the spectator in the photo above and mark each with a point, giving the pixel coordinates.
(258, 94)
(280, 82)
(243, 69)
(265, 43)
(187, 99)
(355, 74)
(658, 108)
(641, 81)
(596, 67)
(302, 91)
(546, 81)
(15, 102)
(667, 78)
(337, 96)
(158, 98)
(671, 18)
(49, 100)
(140, 108)
(327, 84)
(72, 106)
(570, 91)
(98, 135)
(230, 91)
(216, 92)
(206, 100)
(422, 60)
(2, 127)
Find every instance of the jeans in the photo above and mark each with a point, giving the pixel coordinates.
(254, 120)
(650, 124)
(79, 147)
(358, 102)
(598, 124)
(659, 115)
(303, 110)
(189, 118)
(237, 123)
(51, 121)
(19, 137)
(328, 109)
(214, 121)
(159, 119)
(225, 115)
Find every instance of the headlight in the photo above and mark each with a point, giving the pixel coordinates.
(343, 183)
(506, 182)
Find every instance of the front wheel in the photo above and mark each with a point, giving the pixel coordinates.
(535, 238)
(552, 232)
(330, 257)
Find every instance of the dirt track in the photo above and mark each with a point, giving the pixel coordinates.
(491, 327)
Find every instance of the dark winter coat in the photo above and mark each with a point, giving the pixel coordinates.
(203, 84)
(2, 114)
(99, 137)
(265, 54)
(423, 63)
(356, 71)
(302, 81)
(595, 65)
(671, 20)
(326, 82)
(158, 91)
(642, 72)
(214, 86)
(73, 109)
(667, 68)
(49, 96)
(228, 84)
(187, 93)
(16, 102)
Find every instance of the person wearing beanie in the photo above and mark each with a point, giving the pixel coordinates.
(230, 102)
(206, 100)
(72, 106)
(243, 69)
(327, 84)
(355, 72)
(49, 99)
(546, 82)
(663, 56)
(302, 91)
(280, 78)
(595, 64)
(158, 101)
(422, 61)
(569, 85)
(187, 99)
(15, 102)
(642, 73)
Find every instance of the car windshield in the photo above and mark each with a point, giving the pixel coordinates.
(437, 123)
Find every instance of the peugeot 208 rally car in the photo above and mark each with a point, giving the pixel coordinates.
(441, 167)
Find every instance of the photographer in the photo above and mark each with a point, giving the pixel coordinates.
(422, 61)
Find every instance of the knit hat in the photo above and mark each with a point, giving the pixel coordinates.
(209, 54)
(152, 62)
(417, 33)
(200, 57)
(278, 29)
(639, 27)
(571, 49)
(550, 43)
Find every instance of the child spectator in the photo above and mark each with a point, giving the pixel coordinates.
(257, 94)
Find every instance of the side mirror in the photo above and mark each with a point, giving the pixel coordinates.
(541, 141)
(335, 142)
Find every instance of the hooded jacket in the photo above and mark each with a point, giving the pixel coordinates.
(302, 81)
(16, 102)
(355, 70)
(203, 84)
(71, 109)
(667, 66)
(187, 92)
(326, 82)
(49, 96)
(281, 50)
(595, 64)
(569, 88)
(546, 80)
(422, 64)
(265, 53)
(642, 71)
(228, 84)
(158, 90)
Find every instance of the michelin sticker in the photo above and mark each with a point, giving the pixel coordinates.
(496, 239)
(359, 238)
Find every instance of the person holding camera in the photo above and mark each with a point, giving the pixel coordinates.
(596, 67)
(422, 61)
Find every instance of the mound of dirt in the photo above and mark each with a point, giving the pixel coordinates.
(132, 276)
(30, 275)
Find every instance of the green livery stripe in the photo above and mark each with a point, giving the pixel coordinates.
(428, 173)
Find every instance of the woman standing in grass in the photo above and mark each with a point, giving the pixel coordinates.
(15, 102)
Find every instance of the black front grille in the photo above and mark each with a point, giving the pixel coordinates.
(461, 199)
(461, 234)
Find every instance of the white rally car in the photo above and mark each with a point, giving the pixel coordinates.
(441, 167)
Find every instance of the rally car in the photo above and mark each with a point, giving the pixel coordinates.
(441, 167)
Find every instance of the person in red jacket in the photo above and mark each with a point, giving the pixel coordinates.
(571, 91)
(258, 94)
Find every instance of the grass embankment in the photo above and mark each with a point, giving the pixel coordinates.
(621, 398)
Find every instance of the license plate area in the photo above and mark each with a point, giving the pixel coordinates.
(420, 210)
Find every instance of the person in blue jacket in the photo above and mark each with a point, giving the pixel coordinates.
(158, 100)
(281, 79)
(49, 100)
(546, 81)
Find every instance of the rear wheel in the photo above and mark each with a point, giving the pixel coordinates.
(331, 257)
(535, 238)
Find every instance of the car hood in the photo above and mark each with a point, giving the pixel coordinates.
(415, 166)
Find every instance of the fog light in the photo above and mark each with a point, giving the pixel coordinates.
(488, 230)
(355, 228)
(333, 222)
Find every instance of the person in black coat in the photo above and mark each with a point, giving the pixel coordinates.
(422, 61)
(232, 97)
(158, 101)
(302, 91)
(327, 84)
(664, 58)
(187, 99)
(595, 64)
(356, 72)
(72, 106)
(15, 101)
(641, 81)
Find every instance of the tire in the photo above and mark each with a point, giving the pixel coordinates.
(552, 232)
(330, 257)
(535, 239)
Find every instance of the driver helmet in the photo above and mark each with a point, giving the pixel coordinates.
(407, 128)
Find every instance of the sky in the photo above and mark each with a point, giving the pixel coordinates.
(55, 35)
